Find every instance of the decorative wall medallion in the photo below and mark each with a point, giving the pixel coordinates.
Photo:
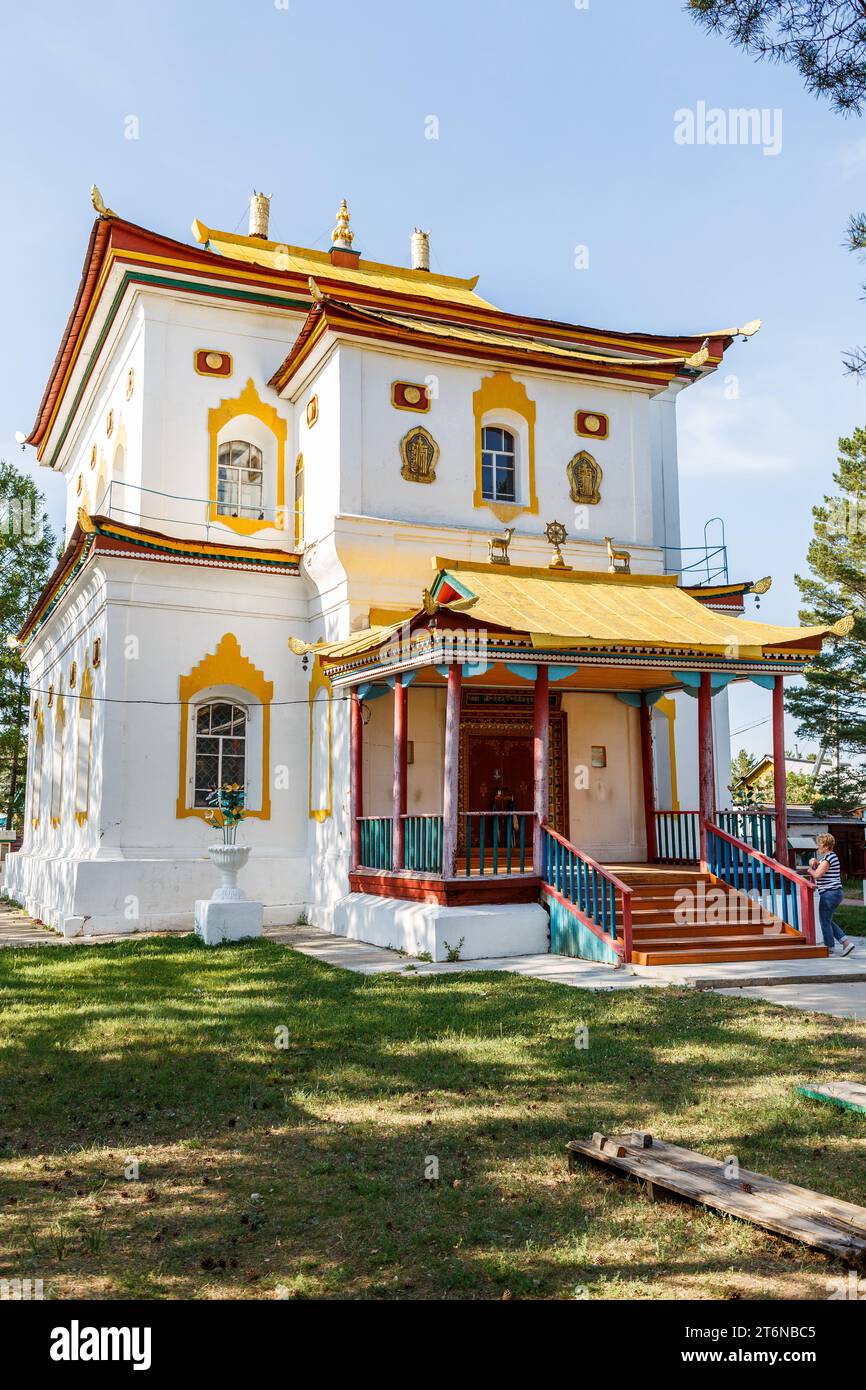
(592, 423)
(409, 395)
(584, 477)
(420, 453)
(79, 485)
(109, 423)
(73, 675)
(312, 411)
(50, 696)
(130, 383)
(97, 651)
(207, 362)
(93, 457)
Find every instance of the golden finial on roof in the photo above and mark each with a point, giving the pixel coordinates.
(342, 236)
(98, 203)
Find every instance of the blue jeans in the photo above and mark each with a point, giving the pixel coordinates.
(827, 904)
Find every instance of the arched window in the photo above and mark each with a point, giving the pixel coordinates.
(82, 752)
(240, 480)
(299, 500)
(498, 464)
(57, 762)
(220, 748)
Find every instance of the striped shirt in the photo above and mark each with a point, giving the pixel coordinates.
(831, 881)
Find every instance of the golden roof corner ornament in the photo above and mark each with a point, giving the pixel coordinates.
(618, 561)
(749, 329)
(318, 296)
(431, 607)
(699, 358)
(761, 586)
(84, 521)
(844, 626)
(556, 535)
(99, 204)
(342, 236)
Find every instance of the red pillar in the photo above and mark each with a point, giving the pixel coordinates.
(649, 798)
(706, 768)
(450, 779)
(356, 795)
(780, 781)
(401, 727)
(542, 730)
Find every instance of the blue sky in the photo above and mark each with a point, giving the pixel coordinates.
(556, 130)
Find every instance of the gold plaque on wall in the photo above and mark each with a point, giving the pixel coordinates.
(593, 423)
(584, 478)
(312, 411)
(410, 395)
(420, 454)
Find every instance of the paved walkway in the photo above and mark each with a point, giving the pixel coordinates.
(844, 999)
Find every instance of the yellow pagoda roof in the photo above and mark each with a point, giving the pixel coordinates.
(591, 609)
(586, 608)
(279, 256)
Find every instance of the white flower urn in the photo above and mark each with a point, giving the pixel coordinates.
(229, 859)
(228, 915)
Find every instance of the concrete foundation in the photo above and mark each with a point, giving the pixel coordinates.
(421, 928)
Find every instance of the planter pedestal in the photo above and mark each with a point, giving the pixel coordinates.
(228, 915)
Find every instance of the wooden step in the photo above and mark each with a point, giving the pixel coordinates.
(721, 951)
(660, 931)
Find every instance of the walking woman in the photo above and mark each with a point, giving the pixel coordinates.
(827, 877)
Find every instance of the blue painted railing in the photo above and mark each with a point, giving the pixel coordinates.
(678, 833)
(755, 828)
(376, 842)
(423, 843)
(596, 897)
(678, 836)
(779, 890)
(497, 842)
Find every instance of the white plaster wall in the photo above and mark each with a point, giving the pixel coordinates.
(372, 428)
(606, 817)
(147, 866)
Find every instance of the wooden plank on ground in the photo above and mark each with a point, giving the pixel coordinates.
(826, 1223)
(851, 1095)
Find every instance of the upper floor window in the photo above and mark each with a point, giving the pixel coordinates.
(498, 460)
(240, 480)
(220, 748)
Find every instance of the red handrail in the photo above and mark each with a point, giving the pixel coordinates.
(805, 888)
(624, 889)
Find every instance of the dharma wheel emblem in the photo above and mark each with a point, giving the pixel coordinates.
(584, 477)
(556, 535)
(420, 453)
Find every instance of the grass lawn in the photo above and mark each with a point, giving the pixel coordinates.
(164, 1052)
(851, 919)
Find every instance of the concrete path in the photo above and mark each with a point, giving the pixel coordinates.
(377, 960)
(17, 929)
(844, 1000)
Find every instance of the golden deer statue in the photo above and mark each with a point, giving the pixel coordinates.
(618, 561)
(497, 547)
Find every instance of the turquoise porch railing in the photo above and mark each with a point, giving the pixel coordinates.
(678, 833)
(423, 843)
(755, 828)
(496, 843)
(779, 890)
(678, 836)
(596, 898)
(376, 841)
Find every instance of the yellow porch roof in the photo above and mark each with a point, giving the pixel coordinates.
(587, 608)
(576, 608)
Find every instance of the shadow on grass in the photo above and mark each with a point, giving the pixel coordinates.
(166, 1050)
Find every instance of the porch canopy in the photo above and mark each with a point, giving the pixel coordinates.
(637, 636)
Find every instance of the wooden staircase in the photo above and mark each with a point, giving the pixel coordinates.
(669, 929)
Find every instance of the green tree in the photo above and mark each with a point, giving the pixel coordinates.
(825, 40)
(839, 791)
(830, 706)
(27, 548)
(800, 787)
